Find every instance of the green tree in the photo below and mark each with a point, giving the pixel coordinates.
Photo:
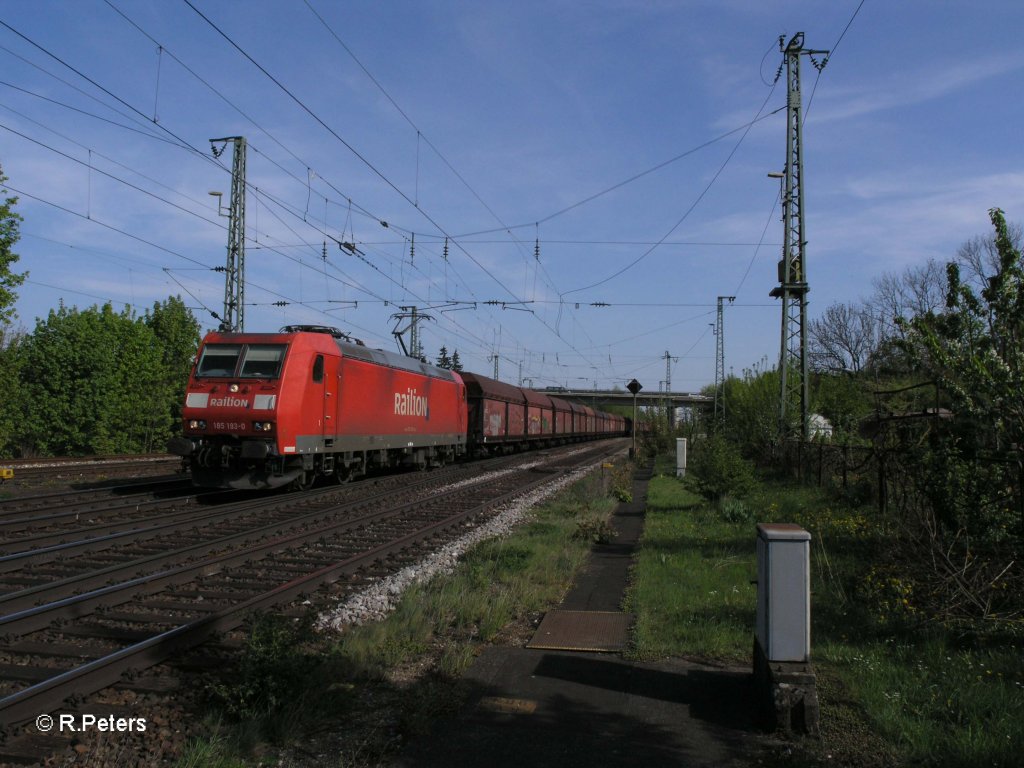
(974, 350)
(720, 470)
(11, 343)
(177, 332)
(89, 378)
(752, 411)
(844, 401)
(456, 362)
(9, 234)
(443, 361)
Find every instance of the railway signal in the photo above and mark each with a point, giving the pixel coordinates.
(634, 386)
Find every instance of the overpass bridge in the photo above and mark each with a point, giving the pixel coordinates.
(594, 397)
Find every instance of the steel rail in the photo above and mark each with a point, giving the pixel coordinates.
(28, 511)
(92, 676)
(12, 562)
(24, 613)
(28, 618)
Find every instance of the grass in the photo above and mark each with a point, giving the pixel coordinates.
(498, 582)
(691, 587)
(940, 696)
(407, 666)
(211, 752)
(892, 691)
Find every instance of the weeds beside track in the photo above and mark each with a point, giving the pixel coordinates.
(891, 691)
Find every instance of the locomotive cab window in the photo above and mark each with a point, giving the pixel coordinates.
(252, 361)
(219, 360)
(318, 369)
(262, 361)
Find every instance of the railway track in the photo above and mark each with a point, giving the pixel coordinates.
(81, 628)
(45, 472)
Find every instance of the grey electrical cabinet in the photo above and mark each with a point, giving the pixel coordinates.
(680, 457)
(784, 592)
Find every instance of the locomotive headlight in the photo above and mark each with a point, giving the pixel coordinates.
(262, 426)
(233, 388)
(197, 424)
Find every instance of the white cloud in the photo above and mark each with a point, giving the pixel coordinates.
(903, 88)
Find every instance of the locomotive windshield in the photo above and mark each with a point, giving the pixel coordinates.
(262, 361)
(249, 361)
(219, 360)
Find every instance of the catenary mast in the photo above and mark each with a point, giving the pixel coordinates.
(233, 318)
(793, 286)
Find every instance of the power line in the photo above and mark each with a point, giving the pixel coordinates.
(106, 226)
(590, 198)
(757, 249)
(828, 57)
(146, 192)
(83, 293)
(380, 174)
(147, 134)
(287, 210)
(693, 205)
(84, 93)
(240, 111)
(137, 111)
(363, 160)
(114, 96)
(845, 29)
(108, 175)
(420, 135)
(694, 243)
(469, 255)
(123, 232)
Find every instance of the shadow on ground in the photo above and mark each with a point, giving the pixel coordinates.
(582, 709)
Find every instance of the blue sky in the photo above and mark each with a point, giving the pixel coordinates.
(611, 136)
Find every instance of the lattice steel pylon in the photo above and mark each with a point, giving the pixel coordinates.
(233, 318)
(793, 287)
(669, 410)
(720, 359)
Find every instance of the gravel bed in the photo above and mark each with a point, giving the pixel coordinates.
(379, 599)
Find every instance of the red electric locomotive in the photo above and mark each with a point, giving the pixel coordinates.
(267, 409)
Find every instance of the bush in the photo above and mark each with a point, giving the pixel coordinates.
(594, 529)
(622, 482)
(720, 470)
(734, 511)
(273, 672)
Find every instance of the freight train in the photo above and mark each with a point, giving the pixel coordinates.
(265, 410)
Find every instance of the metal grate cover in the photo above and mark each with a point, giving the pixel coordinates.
(602, 631)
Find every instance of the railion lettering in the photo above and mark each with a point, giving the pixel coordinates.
(229, 402)
(410, 403)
